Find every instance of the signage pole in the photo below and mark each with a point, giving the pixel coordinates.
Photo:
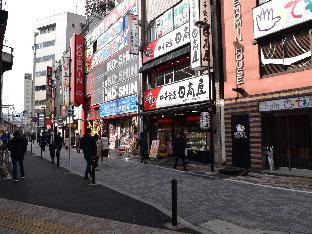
(69, 145)
(69, 108)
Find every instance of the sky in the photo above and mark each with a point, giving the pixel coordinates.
(23, 15)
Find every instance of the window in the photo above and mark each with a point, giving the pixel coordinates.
(170, 72)
(40, 88)
(40, 103)
(284, 54)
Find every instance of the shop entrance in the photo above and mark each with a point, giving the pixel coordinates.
(291, 136)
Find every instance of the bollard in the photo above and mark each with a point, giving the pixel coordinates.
(174, 202)
(93, 171)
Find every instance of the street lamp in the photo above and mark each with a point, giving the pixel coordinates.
(205, 26)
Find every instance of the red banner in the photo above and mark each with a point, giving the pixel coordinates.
(77, 69)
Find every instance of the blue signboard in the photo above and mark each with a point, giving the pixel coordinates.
(120, 106)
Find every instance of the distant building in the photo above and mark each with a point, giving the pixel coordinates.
(51, 40)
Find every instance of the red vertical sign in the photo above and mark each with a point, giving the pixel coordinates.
(77, 70)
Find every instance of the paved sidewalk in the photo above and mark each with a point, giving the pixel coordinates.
(49, 186)
(207, 201)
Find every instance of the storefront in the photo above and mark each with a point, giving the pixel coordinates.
(287, 126)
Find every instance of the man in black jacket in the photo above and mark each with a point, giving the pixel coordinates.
(143, 147)
(18, 147)
(179, 150)
(88, 146)
(58, 141)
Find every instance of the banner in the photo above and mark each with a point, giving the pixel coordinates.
(77, 70)
(120, 90)
(169, 42)
(133, 34)
(164, 23)
(184, 92)
(286, 104)
(181, 13)
(200, 11)
(277, 15)
(120, 106)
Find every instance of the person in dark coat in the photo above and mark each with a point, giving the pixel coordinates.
(43, 140)
(143, 147)
(52, 151)
(88, 146)
(58, 143)
(179, 150)
(17, 146)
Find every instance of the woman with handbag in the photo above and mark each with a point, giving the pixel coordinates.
(105, 148)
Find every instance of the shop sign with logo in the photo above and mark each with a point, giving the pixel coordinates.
(110, 49)
(119, 60)
(277, 15)
(77, 70)
(184, 92)
(201, 51)
(111, 33)
(286, 104)
(204, 120)
(167, 43)
(120, 106)
(181, 13)
(164, 24)
(133, 34)
(120, 90)
(127, 71)
(238, 38)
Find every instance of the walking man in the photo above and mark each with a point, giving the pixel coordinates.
(88, 146)
(58, 141)
(143, 147)
(179, 150)
(18, 148)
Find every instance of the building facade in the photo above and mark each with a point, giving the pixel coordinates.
(51, 40)
(268, 83)
(175, 83)
(112, 77)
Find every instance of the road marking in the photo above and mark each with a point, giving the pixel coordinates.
(269, 186)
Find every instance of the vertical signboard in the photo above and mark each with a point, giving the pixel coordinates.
(240, 141)
(65, 79)
(49, 105)
(133, 34)
(201, 51)
(77, 70)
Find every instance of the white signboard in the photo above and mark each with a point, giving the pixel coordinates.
(187, 91)
(164, 24)
(200, 11)
(65, 79)
(133, 34)
(181, 13)
(204, 120)
(277, 15)
(286, 104)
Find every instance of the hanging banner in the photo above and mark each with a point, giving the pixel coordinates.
(77, 70)
(120, 106)
(133, 21)
(169, 42)
(185, 92)
(49, 105)
(65, 78)
(201, 50)
(277, 15)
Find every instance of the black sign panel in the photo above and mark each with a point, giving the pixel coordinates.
(240, 141)
(129, 70)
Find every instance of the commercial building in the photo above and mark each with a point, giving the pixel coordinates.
(176, 88)
(268, 83)
(112, 75)
(51, 40)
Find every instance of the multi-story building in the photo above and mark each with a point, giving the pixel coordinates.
(176, 79)
(268, 82)
(51, 40)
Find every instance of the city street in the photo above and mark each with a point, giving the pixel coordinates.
(205, 202)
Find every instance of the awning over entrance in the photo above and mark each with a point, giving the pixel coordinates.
(166, 58)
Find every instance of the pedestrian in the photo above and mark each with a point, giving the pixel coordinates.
(143, 147)
(17, 147)
(78, 139)
(179, 150)
(105, 148)
(52, 151)
(33, 137)
(58, 140)
(88, 146)
(43, 140)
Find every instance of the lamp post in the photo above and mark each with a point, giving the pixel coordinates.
(205, 26)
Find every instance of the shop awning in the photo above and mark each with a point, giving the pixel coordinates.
(198, 107)
(165, 58)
